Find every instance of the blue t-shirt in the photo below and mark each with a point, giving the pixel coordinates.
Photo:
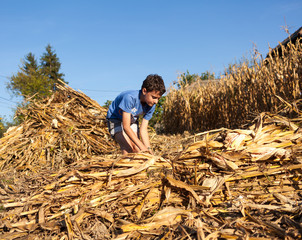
(129, 101)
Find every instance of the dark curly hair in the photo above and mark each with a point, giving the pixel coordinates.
(154, 82)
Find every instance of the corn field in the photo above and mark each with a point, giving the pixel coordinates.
(239, 96)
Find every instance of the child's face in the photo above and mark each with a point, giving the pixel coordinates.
(150, 98)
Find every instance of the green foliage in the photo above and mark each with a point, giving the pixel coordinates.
(207, 76)
(29, 80)
(186, 79)
(50, 67)
(107, 104)
(1, 127)
(156, 119)
(36, 81)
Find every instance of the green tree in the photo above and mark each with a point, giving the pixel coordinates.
(30, 63)
(37, 81)
(29, 81)
(50, 67)
(207, 76)
(107, 104)
(186, 79)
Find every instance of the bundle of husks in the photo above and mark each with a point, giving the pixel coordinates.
(231, 184)
(63, 128)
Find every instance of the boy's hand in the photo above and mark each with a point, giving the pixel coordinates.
(148, 150)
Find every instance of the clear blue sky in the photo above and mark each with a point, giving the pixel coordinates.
(106, 47)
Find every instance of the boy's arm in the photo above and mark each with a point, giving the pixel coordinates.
(145, 135)
(131, 134)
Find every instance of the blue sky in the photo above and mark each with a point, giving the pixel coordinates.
(106, 47)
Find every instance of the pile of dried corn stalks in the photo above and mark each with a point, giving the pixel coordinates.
(63, 128)
(228, 184)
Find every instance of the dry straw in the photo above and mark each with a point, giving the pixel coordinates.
(230, 184)
(233, 184)
(241, 94)
(66, 127)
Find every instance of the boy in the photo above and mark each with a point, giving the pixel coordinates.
(124, 111)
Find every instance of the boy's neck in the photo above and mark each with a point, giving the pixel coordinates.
(141, 98)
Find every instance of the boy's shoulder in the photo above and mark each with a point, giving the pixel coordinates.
(130, 93)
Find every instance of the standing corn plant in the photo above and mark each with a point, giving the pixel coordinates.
(241, 94)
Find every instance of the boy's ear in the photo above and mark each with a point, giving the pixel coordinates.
(144, 91)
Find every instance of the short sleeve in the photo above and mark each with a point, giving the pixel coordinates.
(126, 103)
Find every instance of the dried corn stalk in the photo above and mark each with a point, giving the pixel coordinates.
(229, 184)
(66, 127)
(242, 94)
